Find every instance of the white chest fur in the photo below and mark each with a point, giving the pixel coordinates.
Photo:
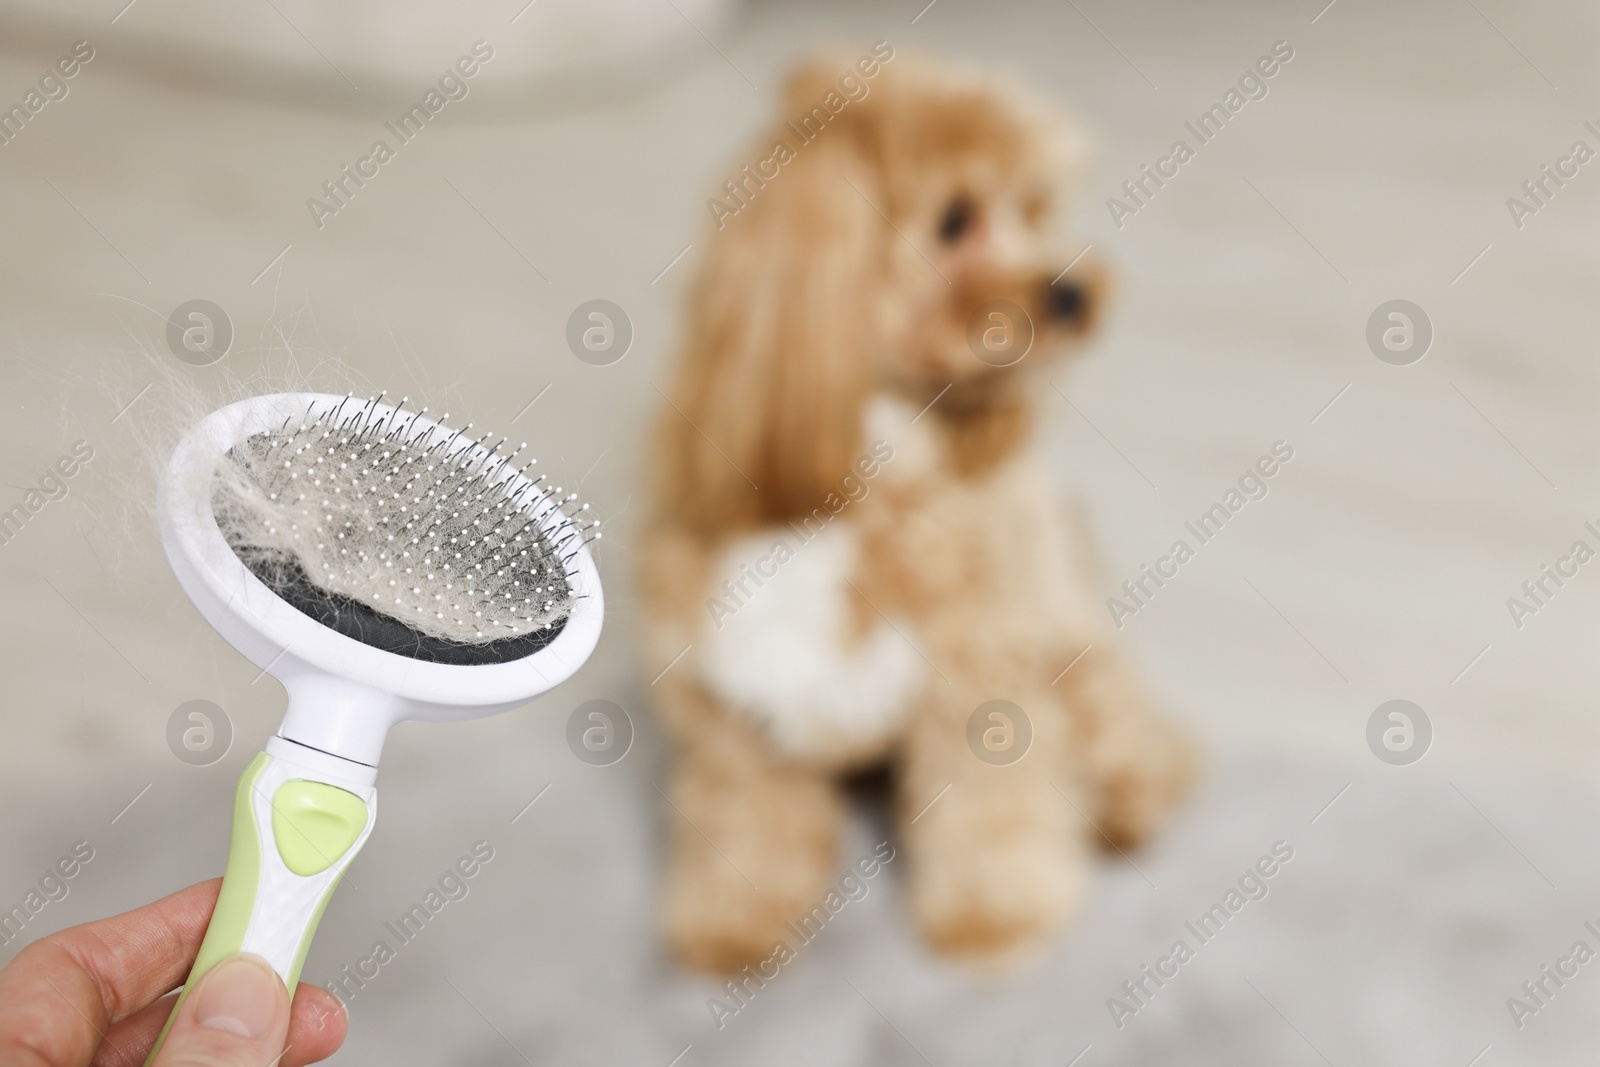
(779, 648)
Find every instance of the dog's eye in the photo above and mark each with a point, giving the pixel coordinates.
(955, 222)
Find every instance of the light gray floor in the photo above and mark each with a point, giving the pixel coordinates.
(1378, 167)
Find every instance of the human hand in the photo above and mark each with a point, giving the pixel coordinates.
(93, 996)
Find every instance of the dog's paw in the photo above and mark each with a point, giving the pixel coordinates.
(1138, 793)
(717, 921)
(998, 900)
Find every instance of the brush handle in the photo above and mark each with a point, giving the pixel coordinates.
(299, 818)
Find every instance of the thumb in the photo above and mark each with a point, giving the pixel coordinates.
(238, 1016)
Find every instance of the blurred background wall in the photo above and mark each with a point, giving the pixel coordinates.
(178, 164)
(353, 57)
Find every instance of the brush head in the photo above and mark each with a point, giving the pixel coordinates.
(411, 538)
(332, 539)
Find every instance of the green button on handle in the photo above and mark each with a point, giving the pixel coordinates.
(314, 824)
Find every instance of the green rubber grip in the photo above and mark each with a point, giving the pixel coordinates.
(278, 882)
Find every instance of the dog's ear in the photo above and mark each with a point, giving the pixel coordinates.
(780, 329)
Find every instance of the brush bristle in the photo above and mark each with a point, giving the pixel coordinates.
(416, 521)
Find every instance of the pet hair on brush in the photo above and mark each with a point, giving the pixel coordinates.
(424, 542)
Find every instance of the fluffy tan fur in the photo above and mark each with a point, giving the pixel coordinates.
(847, 279)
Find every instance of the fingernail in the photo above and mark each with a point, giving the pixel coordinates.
(239, 997)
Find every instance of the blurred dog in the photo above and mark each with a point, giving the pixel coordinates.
(852, 554)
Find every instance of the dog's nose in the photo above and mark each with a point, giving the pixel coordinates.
(1066, 301)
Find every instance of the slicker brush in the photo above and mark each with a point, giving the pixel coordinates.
(384, 567)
